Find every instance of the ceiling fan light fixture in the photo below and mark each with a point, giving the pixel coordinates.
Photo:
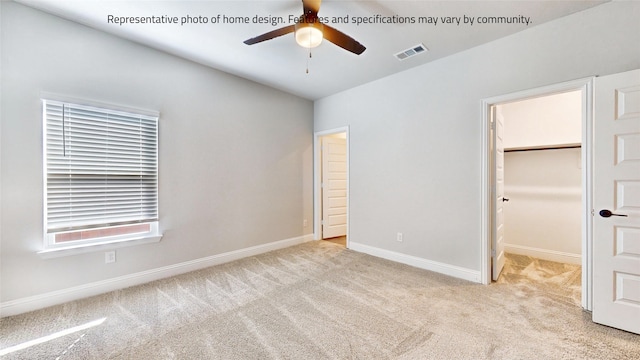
(309, 35)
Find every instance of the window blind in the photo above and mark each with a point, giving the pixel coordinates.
(101, 167)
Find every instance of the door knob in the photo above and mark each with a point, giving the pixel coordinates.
(606, 213)
(504, 199)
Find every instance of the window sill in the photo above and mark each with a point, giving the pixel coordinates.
(94, 247)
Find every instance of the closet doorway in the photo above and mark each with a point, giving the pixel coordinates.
(544, 153)
(542, 177)
(331, 186)
(542, 186)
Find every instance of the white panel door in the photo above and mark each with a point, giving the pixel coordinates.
(334, 187)
(497, 245)
(616, 199)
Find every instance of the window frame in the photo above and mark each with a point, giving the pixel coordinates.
(51, 248)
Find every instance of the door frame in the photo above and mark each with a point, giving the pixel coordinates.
(317, 180)
(585, 85)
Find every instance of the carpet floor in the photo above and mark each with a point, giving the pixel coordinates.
(318, 300)
(558, 280)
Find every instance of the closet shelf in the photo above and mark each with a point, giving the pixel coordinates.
(544, 147)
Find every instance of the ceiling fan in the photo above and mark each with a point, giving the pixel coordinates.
(309, 31)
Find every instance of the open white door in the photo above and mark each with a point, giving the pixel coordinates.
(616, 199)
(334, 187)
(497, 245)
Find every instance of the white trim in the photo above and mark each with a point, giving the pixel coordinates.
(587, 192)
(485, 196)
(44, 95)
(442, 268)
(586, 86)
(317, 211)
(544, 254)
(22, 305)
(55, 252)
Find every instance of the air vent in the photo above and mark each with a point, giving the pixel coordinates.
(412, 51)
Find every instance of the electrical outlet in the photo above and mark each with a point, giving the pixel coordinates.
(399, 237)
(109, 257)
(304, 223)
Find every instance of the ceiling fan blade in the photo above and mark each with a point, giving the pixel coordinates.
(271, 34)
(343, 40)
(311, 6)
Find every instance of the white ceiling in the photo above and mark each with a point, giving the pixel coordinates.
(281, 63)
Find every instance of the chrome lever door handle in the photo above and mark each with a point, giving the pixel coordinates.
(606, 213)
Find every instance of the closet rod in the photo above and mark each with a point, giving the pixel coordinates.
(545, 148)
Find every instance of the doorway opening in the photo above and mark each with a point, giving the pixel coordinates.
(541, 204)
(500, 152)
(331, 186)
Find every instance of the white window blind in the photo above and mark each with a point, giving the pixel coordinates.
(101, 167)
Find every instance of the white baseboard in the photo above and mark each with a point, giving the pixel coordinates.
(544, 254)
(19, 306)
(442, 268)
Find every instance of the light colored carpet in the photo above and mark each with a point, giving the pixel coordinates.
(319, 300)
(557, 280)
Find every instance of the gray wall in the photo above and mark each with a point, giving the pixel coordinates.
(415, 152)
(235, 157)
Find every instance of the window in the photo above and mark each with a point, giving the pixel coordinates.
(101, 175)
